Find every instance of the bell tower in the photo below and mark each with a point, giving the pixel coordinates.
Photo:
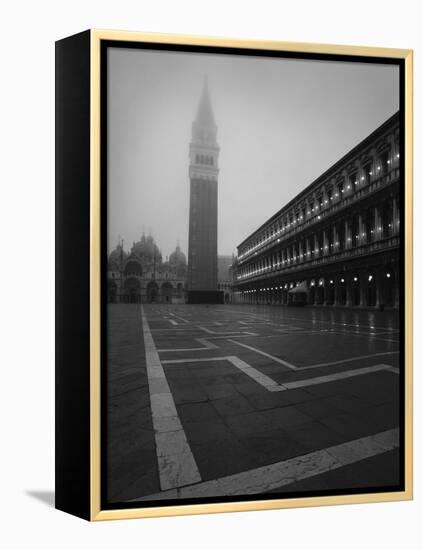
(203, 174)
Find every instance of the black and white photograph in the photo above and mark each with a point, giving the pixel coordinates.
(252, 276)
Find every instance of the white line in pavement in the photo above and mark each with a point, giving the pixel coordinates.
(288, 329)
(324, 332)
(253, 373)
(173, 322)
(348, 359)
(226, 333)
(280, 474)
(271, 385)
(293, 367)
(194, 360)
(178, 317)
(206, 345)
(272, 357)
(333, 377)
(247, 369)
(186, 330)
(176, 462)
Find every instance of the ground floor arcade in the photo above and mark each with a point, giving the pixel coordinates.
(366, 286)
(134, 290)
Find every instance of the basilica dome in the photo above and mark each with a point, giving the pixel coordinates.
(116, 258)
(177, 256)
(147, 250)
(178, 261)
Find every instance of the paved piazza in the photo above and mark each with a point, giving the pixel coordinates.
(238, 400)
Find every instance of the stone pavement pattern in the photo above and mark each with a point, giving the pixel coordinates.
(230, 400)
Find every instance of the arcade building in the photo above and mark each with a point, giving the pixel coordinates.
(141, 276)
(337, 243)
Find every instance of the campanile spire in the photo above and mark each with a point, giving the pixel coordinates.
(203, 174)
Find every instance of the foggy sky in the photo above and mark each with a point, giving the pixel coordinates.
(281, 123)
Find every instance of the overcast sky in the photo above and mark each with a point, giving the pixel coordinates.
(281, 123)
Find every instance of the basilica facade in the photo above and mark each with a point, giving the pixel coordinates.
(141, 275)
(337, 243)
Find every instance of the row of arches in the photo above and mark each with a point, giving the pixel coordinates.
(354, 233)
(377, 288)
(132, 292)
(204, 159)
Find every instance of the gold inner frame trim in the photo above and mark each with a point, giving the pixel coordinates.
(95, 277)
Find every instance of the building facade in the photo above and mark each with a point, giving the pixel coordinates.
(338, 240)
(203, 174)
(141, 276)
(224, 276)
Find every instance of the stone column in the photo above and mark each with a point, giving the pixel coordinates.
(379, 286)
(348, 241)
(330, 288)
(335, 246)
(363, 288)
(337, 290)
(396, 287)
(325, 243)
(395, 217)
(311, 290)
(316, 247)
(325, 291)
(361, 230)
(376, 231)
(348, 283)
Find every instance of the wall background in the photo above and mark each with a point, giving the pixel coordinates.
(29, 30)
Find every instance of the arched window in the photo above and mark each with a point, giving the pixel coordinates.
(133, 268)
(383, 163)
(355, 231)
(367, 172)
(353, 181)
(341, 235)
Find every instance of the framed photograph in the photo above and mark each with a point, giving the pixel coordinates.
(234, 275)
